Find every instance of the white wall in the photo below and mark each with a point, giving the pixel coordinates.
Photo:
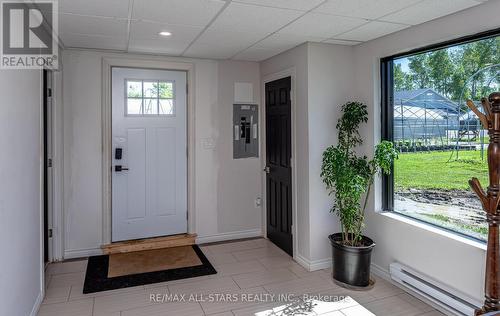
(452, 262)
(331, 84)
(297, 58)
(82, 201)
(238, 181)
(20, 192)
(225, 188)
(324, 81)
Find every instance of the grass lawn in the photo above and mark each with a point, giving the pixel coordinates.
(431, 170)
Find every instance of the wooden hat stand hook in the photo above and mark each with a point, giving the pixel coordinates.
(490, 201)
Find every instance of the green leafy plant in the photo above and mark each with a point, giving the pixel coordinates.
(348, 176)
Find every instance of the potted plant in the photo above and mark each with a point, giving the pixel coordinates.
(348, 177)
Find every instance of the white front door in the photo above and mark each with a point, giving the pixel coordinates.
(149, 136)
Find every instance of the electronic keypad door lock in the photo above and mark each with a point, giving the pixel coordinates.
(118, 153)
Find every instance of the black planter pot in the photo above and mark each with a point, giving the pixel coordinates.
(351, 265)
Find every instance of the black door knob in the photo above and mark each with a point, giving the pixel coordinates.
(120, 168)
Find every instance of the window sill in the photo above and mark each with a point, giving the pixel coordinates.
(435, 230)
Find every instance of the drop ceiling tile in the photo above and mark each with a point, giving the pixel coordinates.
(321, 25)
(93, 41)
(368, 9)
(371, 30)
(110, 8)
(182, 12)
(144, 37)
(256, 54)
(302, 5)
(240, 17)
(91, 25)
(428, 10)
(200, 50)
(158, 46)
(229, 38)
(148, 30)
(342, 42)
(286, 41)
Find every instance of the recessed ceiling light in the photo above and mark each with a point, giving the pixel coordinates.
(164, 33)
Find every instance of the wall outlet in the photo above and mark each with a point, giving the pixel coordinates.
(258, 202)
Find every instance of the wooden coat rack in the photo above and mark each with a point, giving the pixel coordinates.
(490, 200)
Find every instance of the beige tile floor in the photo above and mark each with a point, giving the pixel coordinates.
(250, 273)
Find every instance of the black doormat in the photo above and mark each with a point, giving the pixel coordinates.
(96, 277)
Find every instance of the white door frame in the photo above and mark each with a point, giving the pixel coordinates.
(290, 72)
(41, 199)
(48, 127)
(55, 213)
(107, 64)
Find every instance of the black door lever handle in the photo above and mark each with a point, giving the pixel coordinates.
(120, 168)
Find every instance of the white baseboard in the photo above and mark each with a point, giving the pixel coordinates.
(82, 253)
(380, 272)
(229, 236)
(36, 306)
(302, 261)
(313, 265)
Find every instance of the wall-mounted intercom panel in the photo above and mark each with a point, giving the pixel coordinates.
(245, 131)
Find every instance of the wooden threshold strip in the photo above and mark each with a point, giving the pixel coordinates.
(149, 243)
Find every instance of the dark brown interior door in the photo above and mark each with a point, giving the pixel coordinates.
(278, 168)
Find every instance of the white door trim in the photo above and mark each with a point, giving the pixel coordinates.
(56, 214)
(107, 64)
(41, 199)
(57, 252)
(290, 72)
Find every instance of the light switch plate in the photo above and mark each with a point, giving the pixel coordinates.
(208, 143)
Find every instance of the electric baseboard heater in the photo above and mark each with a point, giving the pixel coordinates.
(449, 299)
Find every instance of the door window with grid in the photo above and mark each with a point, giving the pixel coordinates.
(149, 98)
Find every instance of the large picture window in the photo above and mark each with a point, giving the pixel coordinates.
(440, 141)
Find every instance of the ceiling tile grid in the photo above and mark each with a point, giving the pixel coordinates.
(322, 25)
(148, 30)
(278, 41)
(429, 10)
(252, 18)
(221, 51)
(371, 30)
(238, 29)
(94, 41)
(157, 46)
(182, 12)
(108, 8)
(342, 42)
(301, 5)
(365, 9)
(257, 54)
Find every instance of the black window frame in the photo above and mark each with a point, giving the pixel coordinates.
(387, 106)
